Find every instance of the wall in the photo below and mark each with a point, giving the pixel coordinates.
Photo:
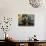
(11, 8)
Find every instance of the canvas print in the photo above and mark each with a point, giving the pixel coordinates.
(25, 19)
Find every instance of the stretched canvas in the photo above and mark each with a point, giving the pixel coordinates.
(25, 19)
